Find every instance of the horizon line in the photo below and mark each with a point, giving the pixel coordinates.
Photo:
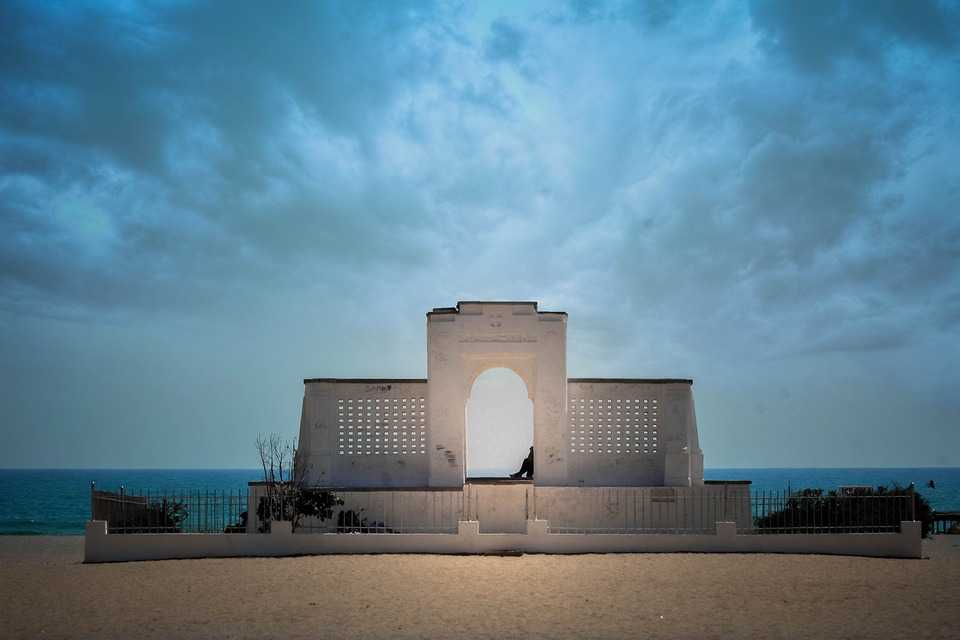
(957, 466)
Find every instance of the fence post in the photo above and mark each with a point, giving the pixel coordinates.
(724, 516)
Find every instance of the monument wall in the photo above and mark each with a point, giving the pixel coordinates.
(365, 432)
(408, 433)
(632, 433)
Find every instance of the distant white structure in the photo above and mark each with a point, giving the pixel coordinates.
(394, 433)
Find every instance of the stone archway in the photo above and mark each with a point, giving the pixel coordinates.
(499, 424)
(465, 341)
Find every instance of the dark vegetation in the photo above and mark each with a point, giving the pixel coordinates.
(351, 521)
(240, 526)
(138, 514)
(290, 502)
(861, 509)
(287, 494)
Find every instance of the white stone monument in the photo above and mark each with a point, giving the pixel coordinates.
(388, 433)
(391, 435)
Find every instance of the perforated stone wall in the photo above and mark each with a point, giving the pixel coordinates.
(632, 432)
(382, 426)
(366, 432)
(605, 426)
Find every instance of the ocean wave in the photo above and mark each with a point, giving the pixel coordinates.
(18, 527)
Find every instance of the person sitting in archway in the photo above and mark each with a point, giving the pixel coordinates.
(526, 468)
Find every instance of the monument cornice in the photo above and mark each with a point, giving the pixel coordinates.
(634, 380)
(367, 380)
(456, 309)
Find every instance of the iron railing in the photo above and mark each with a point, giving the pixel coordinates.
(641, 510)
(814, 512)
(945, 522)
(170, 511)
(402, 511)
(611, 510)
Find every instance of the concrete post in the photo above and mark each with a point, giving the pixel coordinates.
(95, 541)
(95, 528)
(468, 528)
(911, 533)
(468, 533)
(538, 527)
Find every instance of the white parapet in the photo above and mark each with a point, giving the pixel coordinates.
(103, 547)
(505, 507)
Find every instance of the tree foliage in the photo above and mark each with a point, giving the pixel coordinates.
(288, 497)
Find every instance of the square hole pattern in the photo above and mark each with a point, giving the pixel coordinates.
(382, 426)
(614, 426)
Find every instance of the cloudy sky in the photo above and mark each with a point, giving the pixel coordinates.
(202, 204)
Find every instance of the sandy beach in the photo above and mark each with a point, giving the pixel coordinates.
(48, 592)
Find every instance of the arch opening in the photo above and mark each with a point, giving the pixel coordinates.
(499, 421)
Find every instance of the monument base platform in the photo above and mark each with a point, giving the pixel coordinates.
(505, 505)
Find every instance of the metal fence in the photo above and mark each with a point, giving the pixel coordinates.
(625, 510)
(170, 511)
(650, 510)
(815, 512)
(945, 522)
(402, 511)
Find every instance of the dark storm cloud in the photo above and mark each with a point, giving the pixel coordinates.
(819, 34)
(777, 198)
(735, 193)
(125, 81)
(150, 144)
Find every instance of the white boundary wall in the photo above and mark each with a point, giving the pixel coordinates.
(101, 547)
(506, 507)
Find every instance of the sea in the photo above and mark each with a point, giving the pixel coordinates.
(57, 501)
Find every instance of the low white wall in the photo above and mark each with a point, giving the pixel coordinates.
(101, 547)
(505, 508)
(685, 508)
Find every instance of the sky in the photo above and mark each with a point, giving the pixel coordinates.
(203, 204)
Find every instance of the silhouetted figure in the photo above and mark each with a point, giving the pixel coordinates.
(932, 484)
(526, 469)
